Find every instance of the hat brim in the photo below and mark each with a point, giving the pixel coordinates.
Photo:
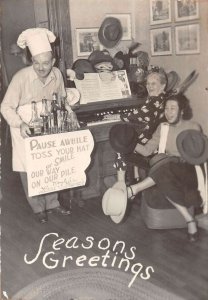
(184, 155)
(120, 186)
(160, 160)
(101, 33)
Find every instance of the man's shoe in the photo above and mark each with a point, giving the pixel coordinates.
(61, 211)
(42, 217)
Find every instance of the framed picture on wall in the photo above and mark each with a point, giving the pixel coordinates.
(161, 41)
(126, 24)
(160, 11)
(87, 41)
(187, 39)
(186, 10)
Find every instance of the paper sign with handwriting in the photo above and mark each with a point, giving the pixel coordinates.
(56, 162)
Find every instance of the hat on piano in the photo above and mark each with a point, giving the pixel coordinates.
(123, 138)
(110, 32)
(81, 66)
(38, 40)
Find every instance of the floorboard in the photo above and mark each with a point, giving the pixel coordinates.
(180, 267)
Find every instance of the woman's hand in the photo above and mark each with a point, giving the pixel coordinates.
(25, 130)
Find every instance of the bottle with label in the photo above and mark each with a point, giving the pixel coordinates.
(35, 122)
(45, 117)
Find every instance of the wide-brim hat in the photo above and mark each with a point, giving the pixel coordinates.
(81, 66)
(114, 202)
(172, 81)
(160, 160)
(110, 32)
(193, 146)
(123, 138)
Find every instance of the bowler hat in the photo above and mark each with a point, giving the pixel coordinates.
(81, 66)
(123, 138)
(110, 32)
(114, 201)
(193, 146)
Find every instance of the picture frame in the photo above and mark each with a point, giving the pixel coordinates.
(187, 39)
(160, 12)
(87, 41)
(161, 41)
(186, 10)
(126, 24)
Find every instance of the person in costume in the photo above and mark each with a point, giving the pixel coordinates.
(33, 83)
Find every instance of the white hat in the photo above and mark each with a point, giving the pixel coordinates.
(37, 39)
(114, 201)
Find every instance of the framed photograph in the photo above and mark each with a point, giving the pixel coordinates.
(126, 24)
(161, 41)
(187, 39)
(160, 11)
(186, 10)
(87, 41)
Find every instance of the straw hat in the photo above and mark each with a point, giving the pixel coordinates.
(114, 201)
(193, 146)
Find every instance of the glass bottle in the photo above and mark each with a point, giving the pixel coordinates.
(63, 115)
(54, 114)
(35, 122)
(45, 117)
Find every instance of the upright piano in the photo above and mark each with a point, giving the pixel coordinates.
(99, 117)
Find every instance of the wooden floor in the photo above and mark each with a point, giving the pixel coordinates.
(179, 267)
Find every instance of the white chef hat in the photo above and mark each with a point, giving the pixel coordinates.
(37, 39)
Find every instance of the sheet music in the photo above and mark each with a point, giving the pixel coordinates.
(93, 88)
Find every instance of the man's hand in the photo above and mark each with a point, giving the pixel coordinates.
(25, 130)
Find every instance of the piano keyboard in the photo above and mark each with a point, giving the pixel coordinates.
(101, 122)
(106, 119)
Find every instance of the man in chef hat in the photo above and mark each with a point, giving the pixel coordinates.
(33, 83)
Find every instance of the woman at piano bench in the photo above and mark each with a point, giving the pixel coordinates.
(145, 119)
(185, 147)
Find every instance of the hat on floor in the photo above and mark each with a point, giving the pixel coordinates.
(123, 138)
(38, 40)
(193, 146)
(114, 202)
(110, 32)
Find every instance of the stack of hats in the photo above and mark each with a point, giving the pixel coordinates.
(102, 61)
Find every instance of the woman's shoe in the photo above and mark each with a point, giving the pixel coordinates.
(193, 237)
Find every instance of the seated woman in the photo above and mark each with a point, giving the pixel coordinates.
(174, 177)
(145, 120)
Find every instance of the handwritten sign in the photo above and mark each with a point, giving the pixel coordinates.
(56, 162)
